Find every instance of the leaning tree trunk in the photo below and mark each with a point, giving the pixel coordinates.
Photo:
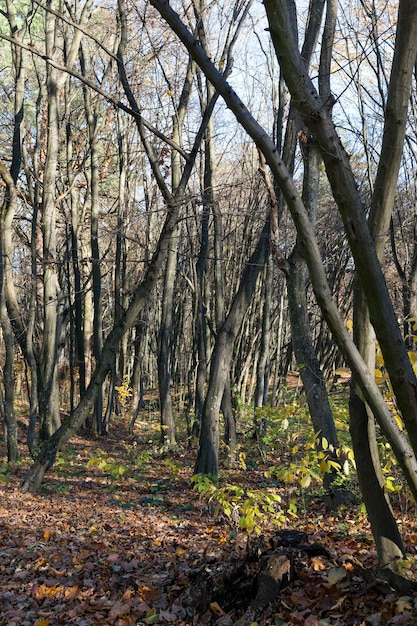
(387, 538)
(208, 452)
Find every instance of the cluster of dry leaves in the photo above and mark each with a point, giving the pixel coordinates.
(91, 550)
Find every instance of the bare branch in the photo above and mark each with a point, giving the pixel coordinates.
(117, 103)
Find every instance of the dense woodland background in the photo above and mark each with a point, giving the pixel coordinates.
(169, 246)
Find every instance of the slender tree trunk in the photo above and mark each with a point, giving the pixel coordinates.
(201, 321)
(208, 453)
(7, 395)
(95, 256)
(48, 388)
(262, 372)
(168, 435)
(138, 375)
(77, 305)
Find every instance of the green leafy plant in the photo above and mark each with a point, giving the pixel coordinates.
(247, 509)
(173, 467)
(4, 474)
(108, 465)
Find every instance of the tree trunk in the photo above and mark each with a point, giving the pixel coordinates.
(262, 372)
(7, 395)
(208, 452)
(387, 538)
(168, 435)
(95, 256)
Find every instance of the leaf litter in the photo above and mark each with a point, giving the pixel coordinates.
(91, 549)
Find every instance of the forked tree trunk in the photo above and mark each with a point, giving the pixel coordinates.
(387, 537)
(388, 541)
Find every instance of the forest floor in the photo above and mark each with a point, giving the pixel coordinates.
(117, 536)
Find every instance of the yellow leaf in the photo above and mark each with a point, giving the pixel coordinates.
(399, 421)
(305, 481)
(221, 540)
(349, 324)
(413, 357)
(42, 622)
(323, 466)
(324, 443)
(47, 535)
(43, 591)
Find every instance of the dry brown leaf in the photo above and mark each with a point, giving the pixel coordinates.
(318, 563)
(216, 609)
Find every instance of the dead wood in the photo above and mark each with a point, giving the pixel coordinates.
(276, 573)
(251, 585)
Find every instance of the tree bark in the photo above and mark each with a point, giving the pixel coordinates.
(208, 452)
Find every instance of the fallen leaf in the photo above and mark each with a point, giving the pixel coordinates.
(403, 604)
(318, 563)
(120, 609)
(216, 609)
(335, 575)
